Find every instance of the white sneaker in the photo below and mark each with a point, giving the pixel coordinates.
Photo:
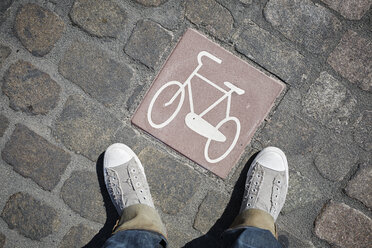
(267, 182)
(125, 178)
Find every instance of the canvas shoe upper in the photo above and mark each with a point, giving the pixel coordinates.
(267, 182)
(125, 178)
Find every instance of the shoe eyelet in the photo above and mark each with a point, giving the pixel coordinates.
(251, 197)
(141, 190)
(138, 184)
(276, 196)
(255, 183)
(144, 197)
(135, 177)
(279, 181)
(258, 176)
(275, 203)
(254, 190)
(248, 204)
(134, 170)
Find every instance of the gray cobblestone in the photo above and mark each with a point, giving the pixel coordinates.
(2, 240)
(210, 210)
(331, 168)
(272, 54)
(100, 18)
(172, 184)
(352, 59)
(4, 6)
(81, 192)
(77, 236)
(4, 53)
(289, 132)
(34, 157)
(178, 237)
(4, 123)
(31, 217)
(352, 10)
(148, 42)
(363, 131)
(246, 1)
(151, 3)
(96, 73)
(329, 102)
(128, 136)
(29, 89)
(304, 22)
(210, 15)
(38, 29)
(359, 187)
(77, 117)
(301, 192)
(344, 226)
(288, 240)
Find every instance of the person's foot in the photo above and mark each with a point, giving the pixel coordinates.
(267, 182)
(125, 178)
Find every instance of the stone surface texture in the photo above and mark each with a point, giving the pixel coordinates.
(352, 10)
(246, 1)
(34, 157)
(81, 192)
(77, 236)
(96, 73)
(329, 102)
(38, 29)
(29, 89)
(344, 226)
(2, 240)
(30, 216)
(304, 22)
(148, 43)
(100, 18)
(335, 170)
(302, 191)
(210, 210)
(352, 59)
(4, 53)
(78, 115)
(295, 136)
(151, 3)
(271, 53)
(172, 184)
(210, 15)
(363, 131)
(4, 6)
(4, 123)
(359, 187)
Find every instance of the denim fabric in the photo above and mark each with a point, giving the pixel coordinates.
(135, 239)
(247, 237)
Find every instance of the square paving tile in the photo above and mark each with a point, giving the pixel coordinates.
(206, 103)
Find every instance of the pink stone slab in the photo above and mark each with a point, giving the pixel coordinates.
(247, 110)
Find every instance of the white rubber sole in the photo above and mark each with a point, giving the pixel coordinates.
(275, 150)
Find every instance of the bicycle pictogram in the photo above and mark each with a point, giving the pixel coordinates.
(195, 121)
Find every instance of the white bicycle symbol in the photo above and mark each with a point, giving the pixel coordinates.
(195, 121)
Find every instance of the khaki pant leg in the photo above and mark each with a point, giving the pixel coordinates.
(256, 218)
(142, 217)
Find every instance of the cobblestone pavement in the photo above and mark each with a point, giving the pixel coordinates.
(74, 71)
